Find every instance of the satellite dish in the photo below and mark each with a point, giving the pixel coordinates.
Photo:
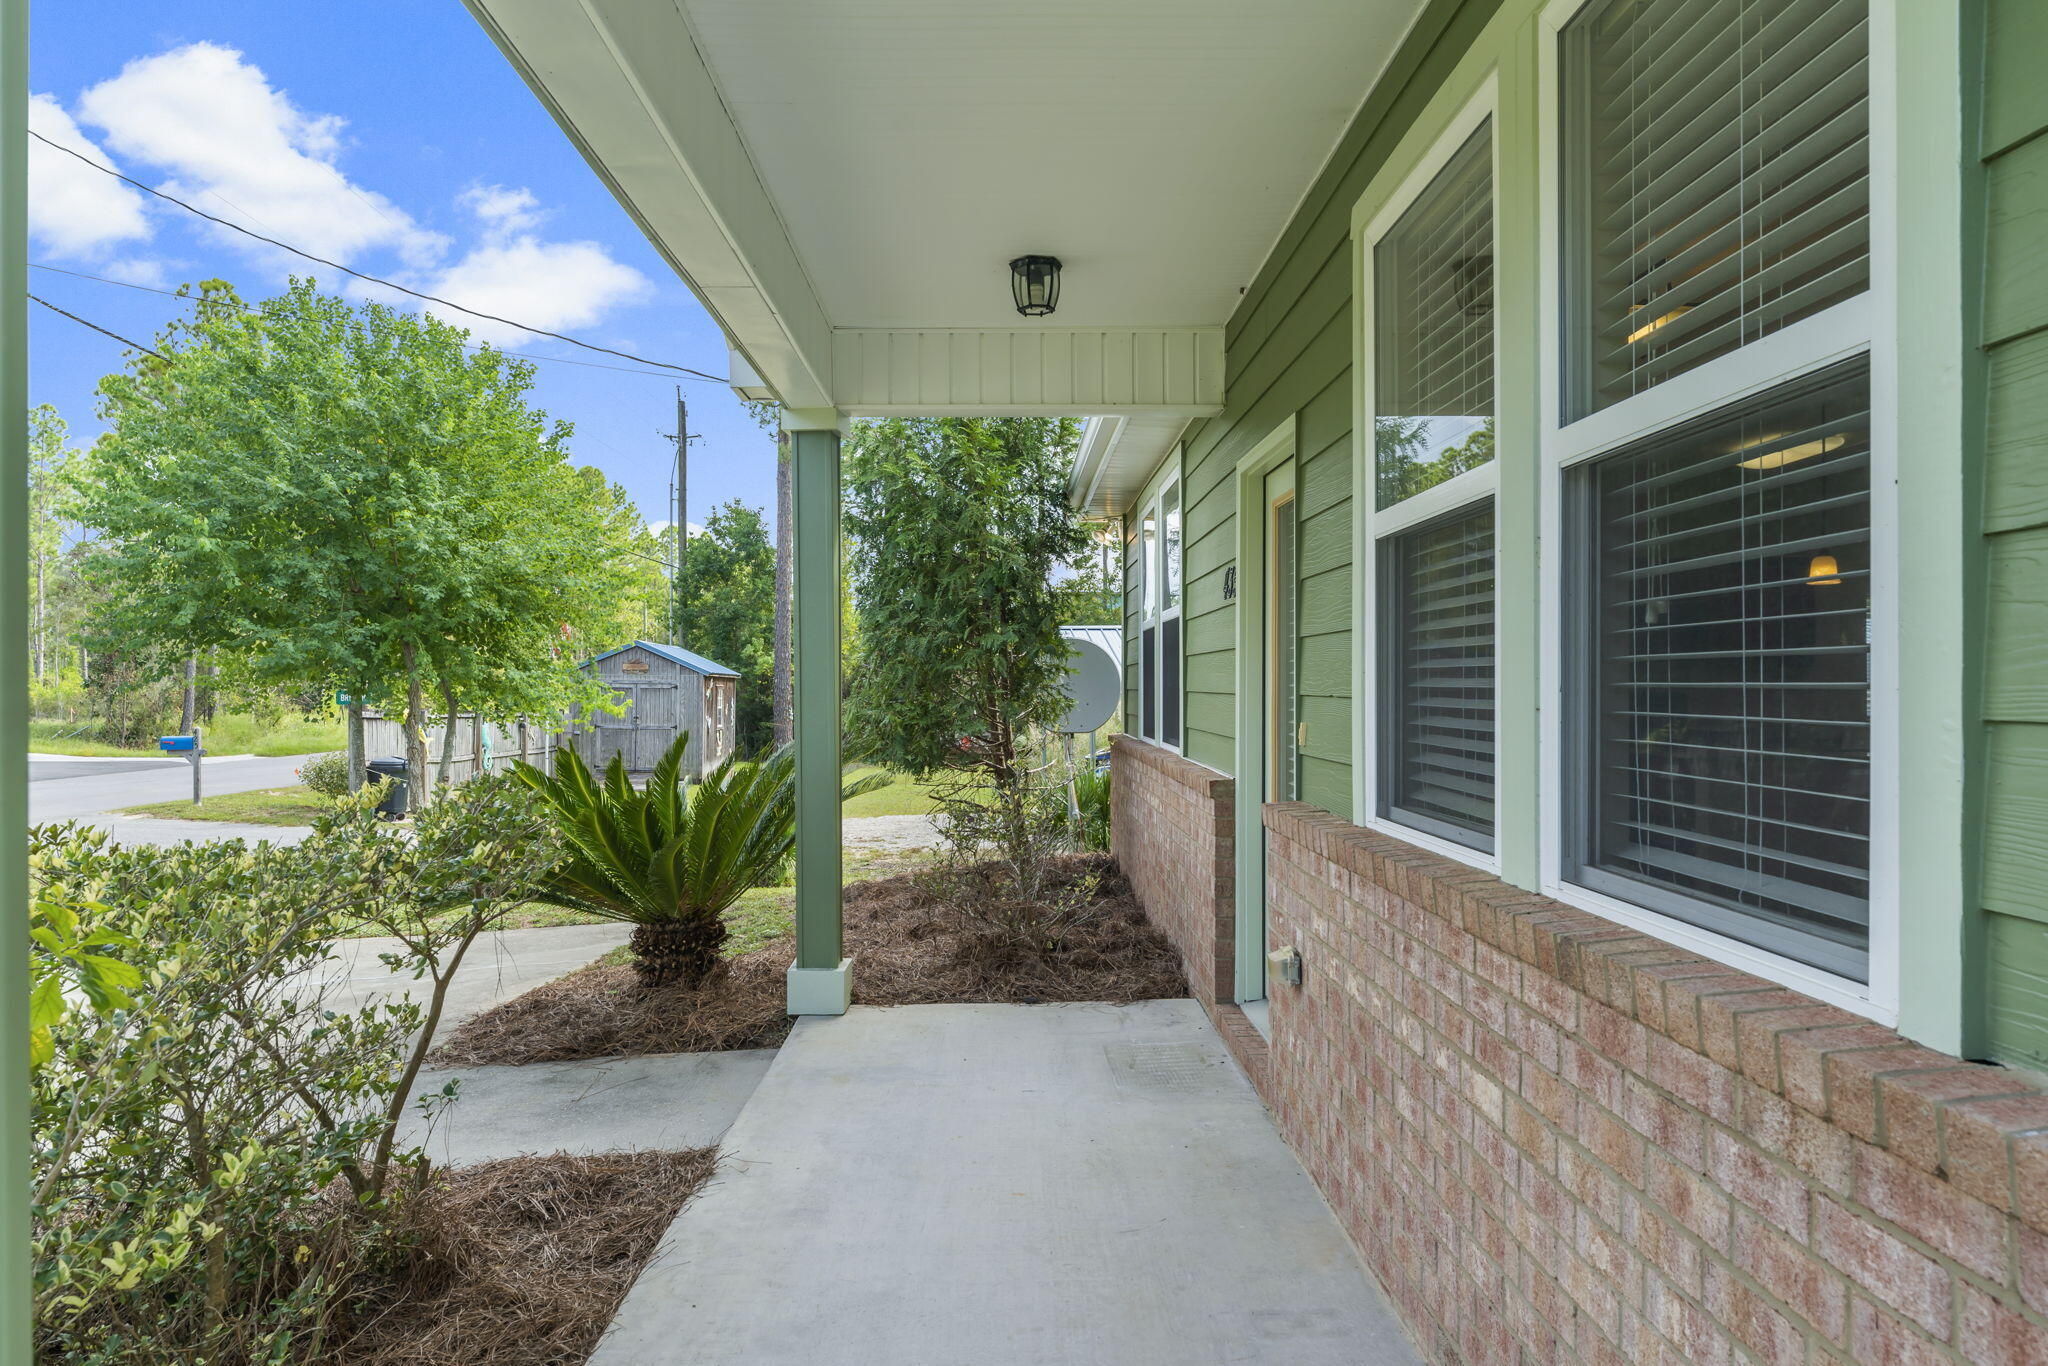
(1095, 677)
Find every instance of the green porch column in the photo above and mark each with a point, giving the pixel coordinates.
(820, 981)
(14, 1164)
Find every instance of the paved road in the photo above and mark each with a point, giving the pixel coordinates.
(62, 788)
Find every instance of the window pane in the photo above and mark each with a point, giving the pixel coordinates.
(1170, 546)
(1725, 671)
(1433, 330)
(1148, 683)
(1436, 703)
(1717, 164)
(1169, 681)
(1148, 565)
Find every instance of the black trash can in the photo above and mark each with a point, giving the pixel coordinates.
(391, 773)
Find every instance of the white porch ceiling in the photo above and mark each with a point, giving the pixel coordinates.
(1157, 147)
(849, 178)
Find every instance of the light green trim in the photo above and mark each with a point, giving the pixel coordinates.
(1518, 463)
(14, 966)
(1938, 554)
(1273, 450)
(814, 473)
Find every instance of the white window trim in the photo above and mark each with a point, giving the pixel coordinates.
(1462, 492)
(1156, 614)
(1863, 325)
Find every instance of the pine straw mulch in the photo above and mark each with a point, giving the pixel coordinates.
(910, 950)
(521, 1262)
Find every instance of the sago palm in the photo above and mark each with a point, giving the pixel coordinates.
(670, 859)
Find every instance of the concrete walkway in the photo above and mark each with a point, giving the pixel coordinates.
(499, 966)
(671, 1101)
(1002, 1185)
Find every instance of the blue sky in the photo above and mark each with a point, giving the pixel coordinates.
(385, 134)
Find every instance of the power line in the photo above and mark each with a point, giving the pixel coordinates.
(251, 308)
(97, 328)
(373, 279)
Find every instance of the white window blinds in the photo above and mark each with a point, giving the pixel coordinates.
(1436, 703)
(1722, 673)
(1716, 166)
(1433, 330)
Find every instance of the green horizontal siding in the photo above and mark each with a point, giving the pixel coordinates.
(1288, 352)
(2014, 873)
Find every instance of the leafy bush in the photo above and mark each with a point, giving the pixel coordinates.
(671, 858)
(1091, 794)
(326, 774)
(216, 1141)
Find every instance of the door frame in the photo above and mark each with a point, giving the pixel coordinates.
(1274, 449)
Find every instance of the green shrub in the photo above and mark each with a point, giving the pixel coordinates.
(326, 774)
(669, 859)
(215, 1140)
(1091, 792)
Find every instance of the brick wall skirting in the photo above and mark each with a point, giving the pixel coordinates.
(1173, 831)
(1557, 1140)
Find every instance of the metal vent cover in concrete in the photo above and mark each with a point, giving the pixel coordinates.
(1159, 1068)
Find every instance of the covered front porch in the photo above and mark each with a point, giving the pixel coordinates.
(846, 188)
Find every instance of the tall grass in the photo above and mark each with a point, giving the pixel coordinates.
(229, 733)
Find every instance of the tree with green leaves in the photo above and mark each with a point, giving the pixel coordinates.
(959, 528)
(349, 497)
(727, 597)
(50, 461)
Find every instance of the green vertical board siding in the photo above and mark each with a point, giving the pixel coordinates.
(2014, 875)
(1288, 352)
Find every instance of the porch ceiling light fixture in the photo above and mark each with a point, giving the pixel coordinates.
(1035, 284)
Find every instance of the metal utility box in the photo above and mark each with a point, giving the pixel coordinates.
(667, 690)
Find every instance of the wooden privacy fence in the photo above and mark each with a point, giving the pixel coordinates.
(489, 746)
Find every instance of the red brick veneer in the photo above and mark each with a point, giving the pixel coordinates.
(1173, 831)
(1557, 1140)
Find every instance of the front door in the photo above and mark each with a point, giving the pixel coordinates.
(1272, 776)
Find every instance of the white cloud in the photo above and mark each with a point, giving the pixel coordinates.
(554, 285)
(237, 147)
(73, 210)
(503, 211)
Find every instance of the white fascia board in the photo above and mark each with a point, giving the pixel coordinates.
(1098, 439)
(627, 83)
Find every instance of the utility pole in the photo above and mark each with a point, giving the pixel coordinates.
(679, 511)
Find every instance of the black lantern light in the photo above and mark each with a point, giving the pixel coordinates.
(1035, 284)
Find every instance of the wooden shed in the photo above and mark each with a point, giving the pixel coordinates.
(667, 690)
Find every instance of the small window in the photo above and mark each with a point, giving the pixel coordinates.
(1436, 692)
(1716, 164)
(1433, 330)
(1719, 685)
(1158, 550)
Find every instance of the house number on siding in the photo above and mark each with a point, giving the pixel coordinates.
(1230, 583)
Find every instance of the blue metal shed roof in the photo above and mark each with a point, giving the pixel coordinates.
(689, 659)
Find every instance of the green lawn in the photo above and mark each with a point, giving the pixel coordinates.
(230, 733)
(904, 797)
(266, 806)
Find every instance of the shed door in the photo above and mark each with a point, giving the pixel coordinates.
(643, 734)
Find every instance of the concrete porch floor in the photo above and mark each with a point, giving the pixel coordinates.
(933, 1185)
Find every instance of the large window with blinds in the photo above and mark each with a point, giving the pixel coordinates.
(1715, 162)
(1718, 648)
(1436, 685)
(1432, 364)
(1158, 547)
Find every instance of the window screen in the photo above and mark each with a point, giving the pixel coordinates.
(1716, 171)
(1436, 695)
(1433, 330)
(1169, 681)
(1148, 680)
(1722, 643)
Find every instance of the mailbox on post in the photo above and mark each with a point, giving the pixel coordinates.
(189, 746)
